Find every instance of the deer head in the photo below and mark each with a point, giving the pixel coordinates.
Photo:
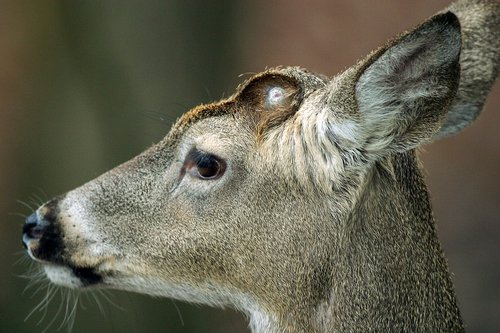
(298, 200)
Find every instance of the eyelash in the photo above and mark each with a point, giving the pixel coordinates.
(203, 165)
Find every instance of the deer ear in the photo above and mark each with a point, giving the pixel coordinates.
(479, 62)
(404, 91)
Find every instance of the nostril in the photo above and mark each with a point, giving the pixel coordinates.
(32, 228)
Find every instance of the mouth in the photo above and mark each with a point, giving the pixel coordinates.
(62, 272)
(72, 276)
(43, 240)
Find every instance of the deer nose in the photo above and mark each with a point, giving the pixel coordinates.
(32, 229)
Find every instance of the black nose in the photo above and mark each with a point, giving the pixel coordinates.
(32, 229)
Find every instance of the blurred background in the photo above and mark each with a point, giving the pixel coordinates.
(85, 85)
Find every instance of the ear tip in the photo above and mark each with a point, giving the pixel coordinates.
(447, 19)
(447, 27)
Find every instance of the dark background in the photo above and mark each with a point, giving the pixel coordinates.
(85, 85)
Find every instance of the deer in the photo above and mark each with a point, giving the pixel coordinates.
(299, 200)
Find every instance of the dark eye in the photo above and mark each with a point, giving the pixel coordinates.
(204, 165)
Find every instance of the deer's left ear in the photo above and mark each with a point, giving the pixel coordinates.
(404, 91)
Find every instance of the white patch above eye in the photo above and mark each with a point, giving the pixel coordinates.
(275, 96)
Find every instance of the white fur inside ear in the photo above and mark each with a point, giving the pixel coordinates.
(275, 96)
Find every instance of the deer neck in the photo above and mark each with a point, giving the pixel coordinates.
(387, 267)
(391, 274)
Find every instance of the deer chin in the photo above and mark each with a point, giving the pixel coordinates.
(79, 274)
(64, 276)
(72, 276)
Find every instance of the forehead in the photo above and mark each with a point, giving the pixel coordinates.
(225, 136)
(287, 77)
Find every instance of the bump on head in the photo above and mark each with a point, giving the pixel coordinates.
(270, 98)
(276, 96)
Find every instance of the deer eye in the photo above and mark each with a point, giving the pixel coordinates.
(203, 165)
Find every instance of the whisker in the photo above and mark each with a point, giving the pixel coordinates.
(56, 315)
(39, 305)
(69, 300)
(53, 292)
(99, 304)
(25, 204)
(37, 278)
(72, 315)
(178, 312)
(42, 194)
(23, 259)
(38, 289)
(207, 91)
(108, 299)
(65, 296)
(23, 216)
(34, 202)
(247, 74)
(160, 116)
(38, 198)
(82, 303)
(34, 278)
